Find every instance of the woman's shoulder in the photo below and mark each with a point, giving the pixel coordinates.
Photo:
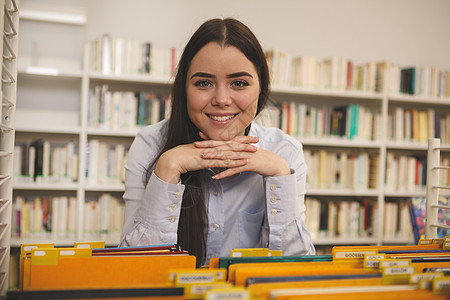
(150, 138)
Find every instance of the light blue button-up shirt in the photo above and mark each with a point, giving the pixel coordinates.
(246, 210)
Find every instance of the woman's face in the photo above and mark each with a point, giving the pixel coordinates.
(222, 89)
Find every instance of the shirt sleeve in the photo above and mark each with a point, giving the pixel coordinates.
(285, 197)
(152, 208)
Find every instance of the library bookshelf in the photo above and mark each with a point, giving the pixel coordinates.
(9, 21)
(63, 117)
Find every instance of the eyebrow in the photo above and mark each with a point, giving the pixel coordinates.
(232, 75)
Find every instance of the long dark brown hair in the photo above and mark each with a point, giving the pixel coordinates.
(193, 222)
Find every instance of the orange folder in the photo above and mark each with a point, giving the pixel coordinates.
(396, 248)
(101, 272)
(262, 290)
(233, 267)
(404, 295)
(265, 270)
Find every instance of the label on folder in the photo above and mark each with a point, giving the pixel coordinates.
(236, 293)
(198, 290)
(396, 271)
(245, 252)
(372, 261)
(394, 263)
(417, 277)
(354, 254)
(441, 285)
(183, 277)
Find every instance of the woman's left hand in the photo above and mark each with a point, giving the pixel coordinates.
(263, 162)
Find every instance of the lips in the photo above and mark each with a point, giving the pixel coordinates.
(221, 118)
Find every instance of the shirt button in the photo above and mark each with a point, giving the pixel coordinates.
(273, 199)
(274, 212)
(216, 226)
(273, 187)
(172, 219)
(177, 195)
(174, 206)
(216, 193)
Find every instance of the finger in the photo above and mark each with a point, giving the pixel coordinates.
(229, 145)
(214, 154)
(225, 163)
(203, 136)
(229, 172)
(225, 151)
(238, 139)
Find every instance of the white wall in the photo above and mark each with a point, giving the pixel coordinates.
(409, 32)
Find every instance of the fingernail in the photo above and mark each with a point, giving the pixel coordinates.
(213, 177)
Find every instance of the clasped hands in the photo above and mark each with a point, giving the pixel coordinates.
(234, 156)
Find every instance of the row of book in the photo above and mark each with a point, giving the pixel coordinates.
(105, 162)
(340, 219)
(42, 216)
(355, 122)
(397, 221)
(57, 217)
(405, 173)
(349, 272)
(104, 215)
(124, 109)
(45, 162)
(114, 55)
(425, 81)
(341, 73)
(355, 218)
(341, 170)
(418, 125)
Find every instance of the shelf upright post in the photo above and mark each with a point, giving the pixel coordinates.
(382, 169)
(9, 22)
(83, 142)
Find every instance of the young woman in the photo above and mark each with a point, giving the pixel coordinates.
(209, 178)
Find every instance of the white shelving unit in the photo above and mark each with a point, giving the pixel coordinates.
(9, 21)
(66, 114)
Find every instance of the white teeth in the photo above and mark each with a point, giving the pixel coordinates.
(221, 118)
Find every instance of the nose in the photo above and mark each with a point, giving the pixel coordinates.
(222, 97)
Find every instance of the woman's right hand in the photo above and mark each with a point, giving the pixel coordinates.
(186, 158)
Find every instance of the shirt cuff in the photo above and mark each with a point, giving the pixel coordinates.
(282, 198)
